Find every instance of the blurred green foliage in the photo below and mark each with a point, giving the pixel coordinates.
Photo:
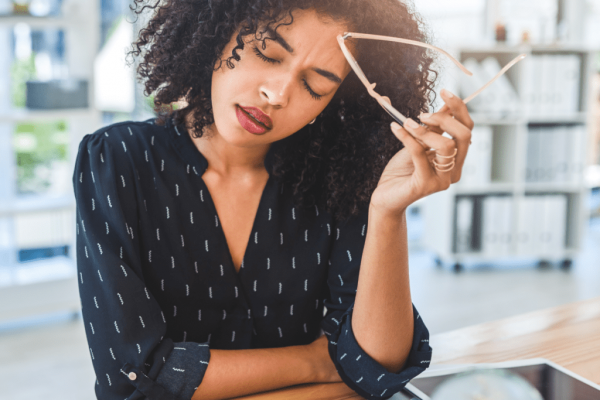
(21, 71)
(38, 144)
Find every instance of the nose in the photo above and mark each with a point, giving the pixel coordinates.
(276, 91)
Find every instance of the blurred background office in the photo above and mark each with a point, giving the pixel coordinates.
(520, 232)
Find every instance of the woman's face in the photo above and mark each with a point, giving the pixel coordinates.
(273, 92)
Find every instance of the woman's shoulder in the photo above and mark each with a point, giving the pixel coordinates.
(124, 139)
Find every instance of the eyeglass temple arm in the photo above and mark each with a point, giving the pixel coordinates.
(407, 41)
(498, 75)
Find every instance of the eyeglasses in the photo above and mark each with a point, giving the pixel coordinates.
(384, 101)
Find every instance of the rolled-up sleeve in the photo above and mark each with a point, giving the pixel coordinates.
(124, 324)
(356, 368)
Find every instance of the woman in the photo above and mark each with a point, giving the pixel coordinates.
(212, 240)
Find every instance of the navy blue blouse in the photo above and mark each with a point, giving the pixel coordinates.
(159, 289)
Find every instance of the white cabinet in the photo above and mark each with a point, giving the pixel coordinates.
(523, 193)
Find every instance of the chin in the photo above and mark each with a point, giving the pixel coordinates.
(235, 135)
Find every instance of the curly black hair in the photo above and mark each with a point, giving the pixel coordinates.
(339, 159)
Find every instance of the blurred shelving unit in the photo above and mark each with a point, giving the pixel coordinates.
(507, 210)
(48, 285)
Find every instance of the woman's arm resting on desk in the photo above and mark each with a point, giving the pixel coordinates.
(233, 373)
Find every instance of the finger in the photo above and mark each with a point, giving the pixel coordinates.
(416, 130)
(416, 150)
(457, 130)
(458, 108)
(444, 109)
(443, 146)
(432, 128)
(448, 124)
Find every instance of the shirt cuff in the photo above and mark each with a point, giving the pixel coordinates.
(184, 370)
(178, 378)
(366, 376)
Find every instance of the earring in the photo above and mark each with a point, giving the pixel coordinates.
(313, 121)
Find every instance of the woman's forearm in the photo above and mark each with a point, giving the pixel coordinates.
(382, 320)
(233, 373)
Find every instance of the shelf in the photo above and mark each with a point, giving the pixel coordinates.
(36, 115)
(579, 118)
(544, 187)
(35, 22)
(482, 257)
(39, 203)
(482, 119)
(492, 189)
(504, 49)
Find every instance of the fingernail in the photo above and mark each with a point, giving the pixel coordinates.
(411, 124)
(447, 93)
(425, 116)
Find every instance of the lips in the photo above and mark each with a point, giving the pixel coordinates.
(258, 116)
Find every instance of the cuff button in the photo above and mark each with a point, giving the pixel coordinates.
(132, 376)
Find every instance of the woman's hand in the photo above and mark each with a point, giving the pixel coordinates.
(324, 367)
(411, 175)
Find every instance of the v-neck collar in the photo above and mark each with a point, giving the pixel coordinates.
(187, 149)
(185, 146)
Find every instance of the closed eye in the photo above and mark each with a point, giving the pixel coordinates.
(263, 57)
(312, 93)
(260, 55)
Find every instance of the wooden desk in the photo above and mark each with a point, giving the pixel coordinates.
(569, 335)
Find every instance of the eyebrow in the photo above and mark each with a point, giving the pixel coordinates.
(329, 75)
(277, 37)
